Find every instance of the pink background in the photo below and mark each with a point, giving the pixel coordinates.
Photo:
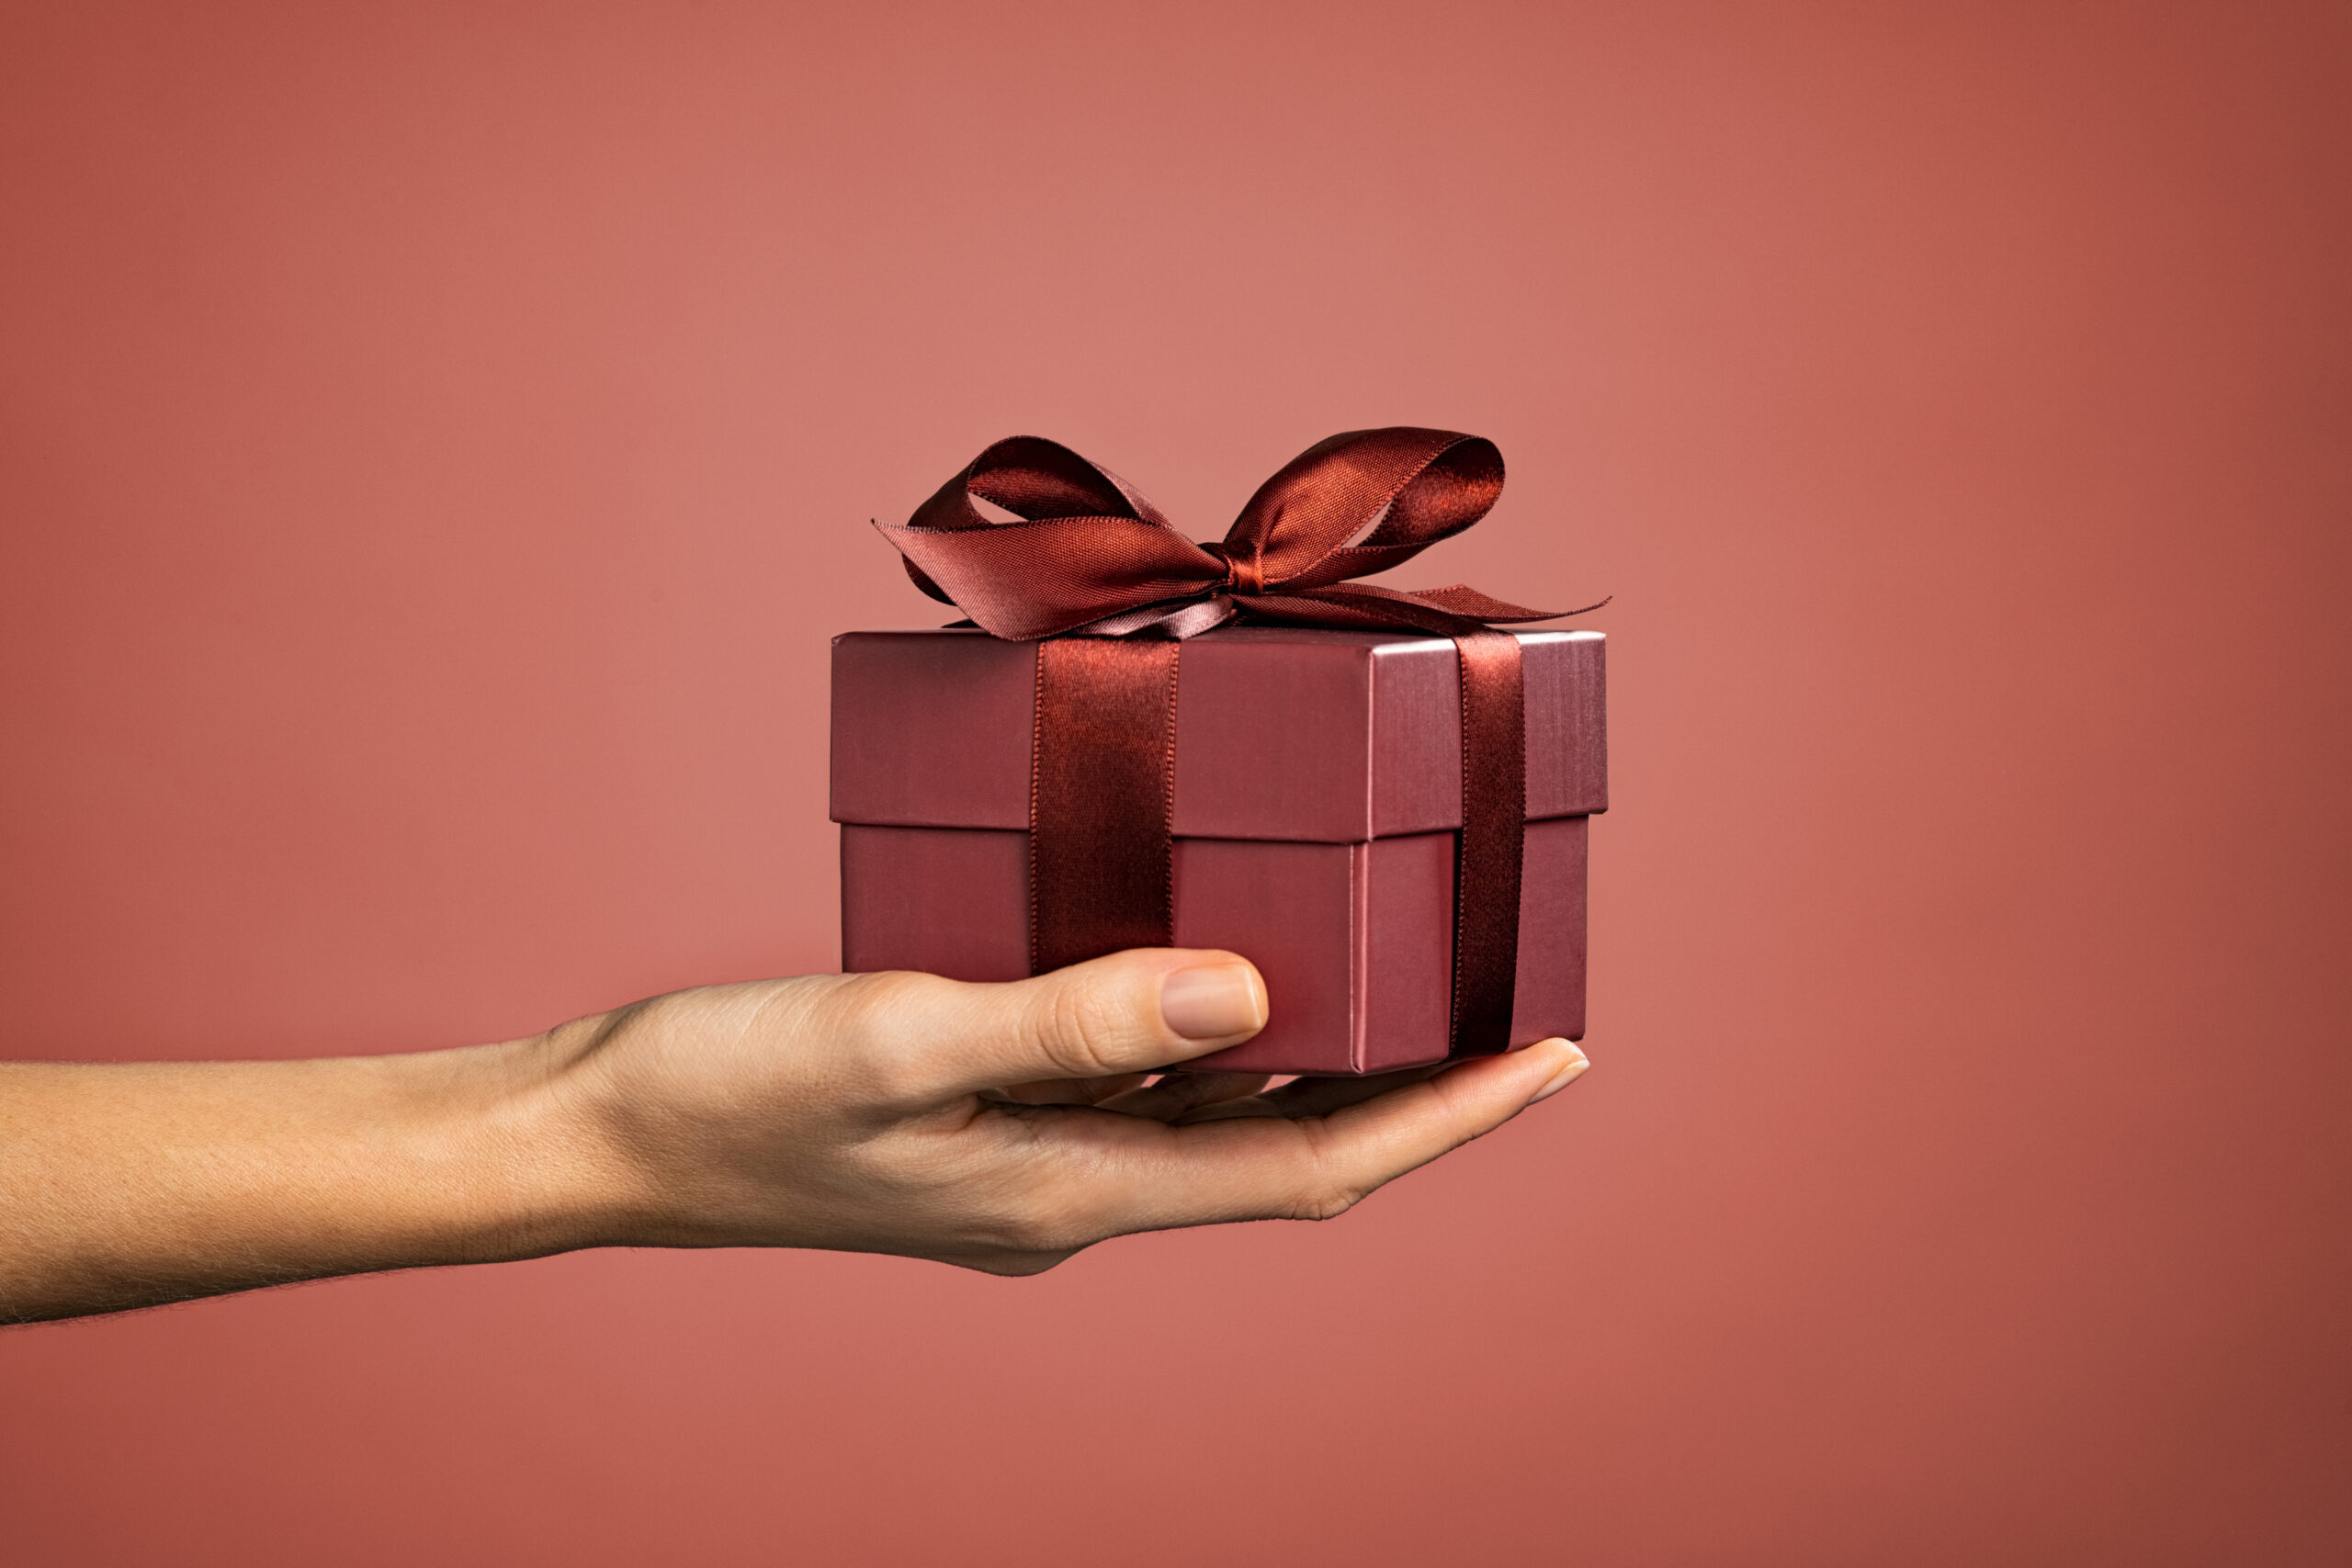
(438, 443)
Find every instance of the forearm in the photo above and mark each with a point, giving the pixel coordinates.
(130, 1185)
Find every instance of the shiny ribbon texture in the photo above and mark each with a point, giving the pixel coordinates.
(1097, 575)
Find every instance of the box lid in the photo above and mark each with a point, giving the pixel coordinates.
(1281, 733)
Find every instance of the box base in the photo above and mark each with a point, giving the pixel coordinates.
(1355, 939)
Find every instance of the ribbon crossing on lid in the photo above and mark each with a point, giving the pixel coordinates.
(1093, 572)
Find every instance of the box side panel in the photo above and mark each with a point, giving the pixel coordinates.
(1417, 731)
(1274, 738)
(932, 729)
(1408, 981)
(943, 900)
(1550, 994)
(1567, 730)
(1290, 910)
(1410, 987)
(1415, 738)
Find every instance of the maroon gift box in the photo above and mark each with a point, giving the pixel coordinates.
(1318, 792)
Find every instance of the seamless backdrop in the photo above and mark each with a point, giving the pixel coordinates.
(436, 443)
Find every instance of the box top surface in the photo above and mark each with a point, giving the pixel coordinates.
(1281, 732)
(1318, 637)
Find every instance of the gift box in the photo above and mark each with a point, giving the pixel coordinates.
(1374, 794)
(1316, 800)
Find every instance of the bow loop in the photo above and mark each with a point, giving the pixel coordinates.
(1397, 491)
(1032, 478)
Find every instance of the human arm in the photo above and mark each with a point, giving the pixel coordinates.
(856, 1112)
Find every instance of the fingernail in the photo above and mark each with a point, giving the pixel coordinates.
(1577, 1062)
(1214, 1000)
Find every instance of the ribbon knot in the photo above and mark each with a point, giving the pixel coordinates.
(1087, 559)
(1241, 574)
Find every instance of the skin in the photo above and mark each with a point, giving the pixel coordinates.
(998, 1127)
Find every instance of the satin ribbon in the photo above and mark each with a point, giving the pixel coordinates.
(1108, 589)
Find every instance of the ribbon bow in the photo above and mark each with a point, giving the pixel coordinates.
(1093, 573)
(1091, 556)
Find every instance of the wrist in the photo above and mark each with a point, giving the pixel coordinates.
(516, 1147)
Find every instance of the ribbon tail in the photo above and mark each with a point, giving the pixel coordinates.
(1358, 607)
(1173, 621)
(916, 574)
(1460, 599)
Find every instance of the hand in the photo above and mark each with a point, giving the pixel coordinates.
(870, 1113)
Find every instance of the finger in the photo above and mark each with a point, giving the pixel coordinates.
(1315, 1167)
(1178, 1094)
(1321, 1097)
(1128, 1012)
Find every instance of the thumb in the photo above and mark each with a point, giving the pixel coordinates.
(1128, 1012)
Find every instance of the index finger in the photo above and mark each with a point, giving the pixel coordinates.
(1312, 1167)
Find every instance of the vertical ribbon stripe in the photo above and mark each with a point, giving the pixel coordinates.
(1101, 792)
(1494, 827)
